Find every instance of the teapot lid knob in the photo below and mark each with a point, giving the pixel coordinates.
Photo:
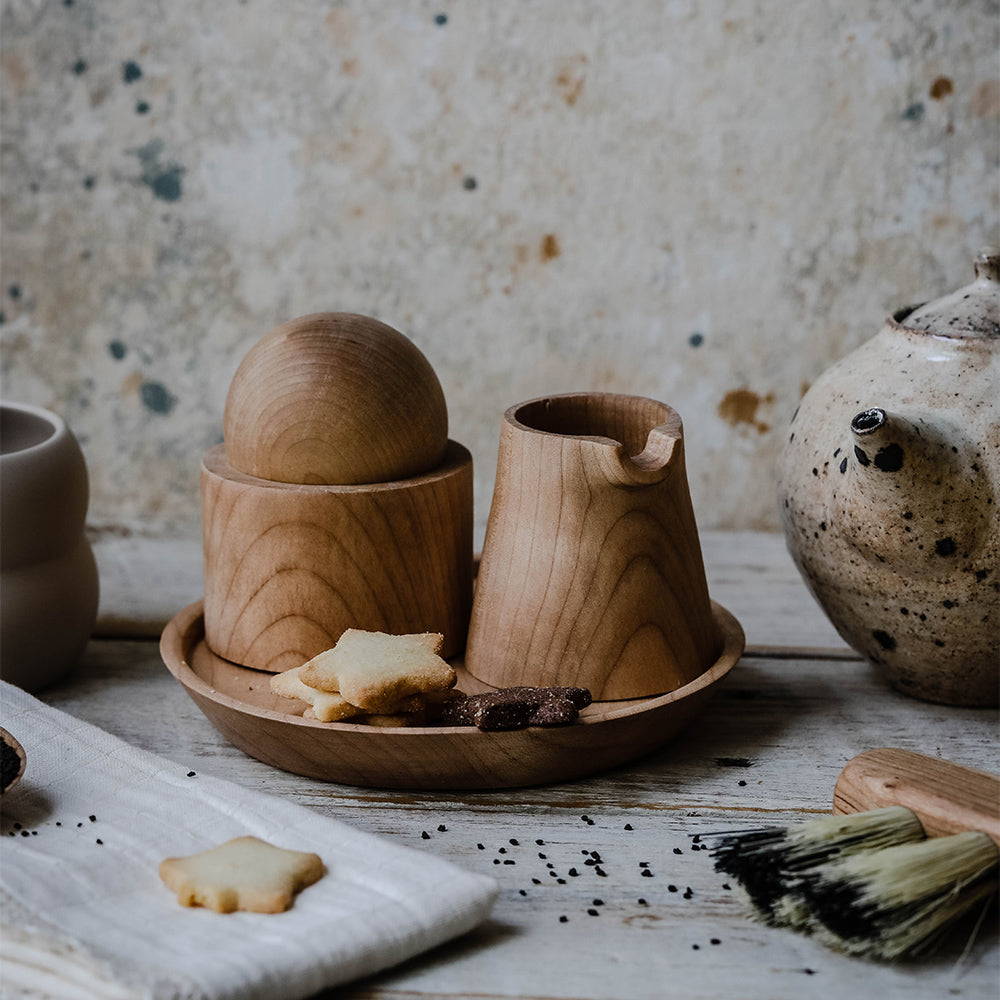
(987, 264)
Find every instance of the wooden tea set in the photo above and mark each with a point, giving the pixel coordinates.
(338, 501)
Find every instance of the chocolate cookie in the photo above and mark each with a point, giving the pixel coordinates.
(516, 708)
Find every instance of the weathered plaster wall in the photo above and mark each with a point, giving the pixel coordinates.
(705, 202)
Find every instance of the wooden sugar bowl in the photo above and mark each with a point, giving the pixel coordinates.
(337, 500)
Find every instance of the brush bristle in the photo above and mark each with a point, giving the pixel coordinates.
(770, 864)
(896, 902)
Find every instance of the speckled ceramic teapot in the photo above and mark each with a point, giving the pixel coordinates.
(888, 487)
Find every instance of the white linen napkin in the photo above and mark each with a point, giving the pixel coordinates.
(83, 908)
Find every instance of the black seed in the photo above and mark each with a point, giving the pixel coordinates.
(592, 912)
(671, 888)
(480, 847)
(715, 941)
(695, 947)
(442, 828)
(17, 826)
(536, 881)
(727, 887)
(523, 892)
(741, 783)
(601, 872)
(642, 902)
(563, 919)
(513, 841)
(496, 861)
(542, 856)
(510, 861)
(540, 842)
(98, 841)
(192, 774)
(561, 881)
(25, 833)
(598, 902)
(424, 835)
(677, 850)
(501, 850)
(93, 819)
(646, 873)
(572, 873)
(628, 826)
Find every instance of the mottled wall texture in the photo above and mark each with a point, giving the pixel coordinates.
(703, 201)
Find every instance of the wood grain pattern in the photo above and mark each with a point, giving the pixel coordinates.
(289, 567)
(239, 703)
(592, 573)
(947, 797)
(335, 398)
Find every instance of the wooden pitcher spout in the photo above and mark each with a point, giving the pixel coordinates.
(663, 452)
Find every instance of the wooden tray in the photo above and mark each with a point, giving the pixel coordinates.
(239, 703)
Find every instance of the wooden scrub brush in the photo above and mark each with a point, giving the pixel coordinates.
(911, 847)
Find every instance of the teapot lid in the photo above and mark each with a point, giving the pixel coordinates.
(972, 312)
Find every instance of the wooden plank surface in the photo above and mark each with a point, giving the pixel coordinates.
(768, 748)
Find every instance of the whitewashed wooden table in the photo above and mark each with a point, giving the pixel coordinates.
(651, 919)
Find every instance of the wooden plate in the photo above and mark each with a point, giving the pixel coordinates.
(239, 703)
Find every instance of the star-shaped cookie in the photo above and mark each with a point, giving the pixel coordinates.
(374, 670)
(242, 874)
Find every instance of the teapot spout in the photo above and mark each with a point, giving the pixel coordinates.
(904, 501)
(877, 439)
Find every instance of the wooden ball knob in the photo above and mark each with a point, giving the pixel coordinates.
(335, 399)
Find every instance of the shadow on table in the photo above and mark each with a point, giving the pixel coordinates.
(486, 935)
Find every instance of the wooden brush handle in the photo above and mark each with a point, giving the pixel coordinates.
(948, 798)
